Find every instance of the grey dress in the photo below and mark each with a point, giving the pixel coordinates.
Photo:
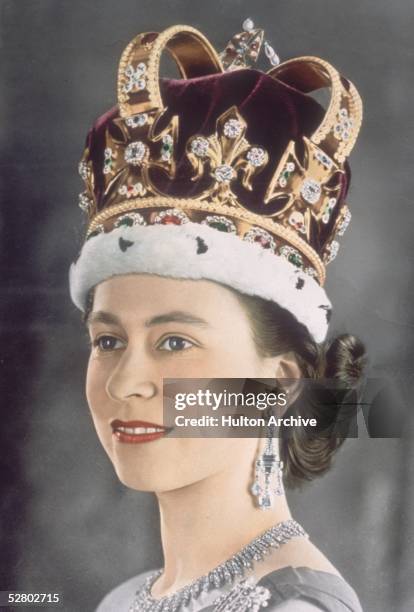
(288, 589)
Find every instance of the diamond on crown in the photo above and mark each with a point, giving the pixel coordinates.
(287, 171)
(345, 221)
(248, 25)
(199, 146)
(331, 252)
(311, 272)
(83, 170)
(342, 129)
(135, 77)
(327, 210)
(172, 216)
(109, 157)
(167, 147)
(324, 159)
(298, 221)
(224, 173)
(132, 191)
(135, 153)
(232, 128)
(85, 201)
(311, 191)
(137, 120)
(256, 156)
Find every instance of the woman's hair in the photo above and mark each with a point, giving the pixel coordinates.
(275, 332)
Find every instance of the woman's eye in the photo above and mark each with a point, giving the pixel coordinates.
(108, 343)
(175, 343)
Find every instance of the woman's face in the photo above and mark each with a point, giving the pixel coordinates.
(144, 328)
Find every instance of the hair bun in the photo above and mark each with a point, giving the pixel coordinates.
(345, 359)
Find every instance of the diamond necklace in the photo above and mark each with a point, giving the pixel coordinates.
(224, 573)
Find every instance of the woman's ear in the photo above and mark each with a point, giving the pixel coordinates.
(286, 369)
(287, 366)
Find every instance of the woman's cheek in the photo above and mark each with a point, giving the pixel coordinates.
(96, 381)
(193, 363)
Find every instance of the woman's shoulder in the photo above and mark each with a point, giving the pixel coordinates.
(303, 588)
(302, 573)
(291, 589)
(122, 596)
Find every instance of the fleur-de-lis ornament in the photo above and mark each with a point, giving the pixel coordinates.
(225, 155)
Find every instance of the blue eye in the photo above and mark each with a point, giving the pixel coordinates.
(175, 343)
(108, 343)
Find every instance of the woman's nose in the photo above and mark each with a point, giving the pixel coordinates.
(132, 377)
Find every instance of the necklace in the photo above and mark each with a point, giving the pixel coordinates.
(225, 573)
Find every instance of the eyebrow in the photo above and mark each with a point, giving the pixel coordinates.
(175, 316)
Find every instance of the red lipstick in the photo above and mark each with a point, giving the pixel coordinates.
(134, 432)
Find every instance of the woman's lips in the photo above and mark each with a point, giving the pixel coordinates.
(134, 432)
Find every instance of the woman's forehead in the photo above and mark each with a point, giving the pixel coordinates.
(148, 295)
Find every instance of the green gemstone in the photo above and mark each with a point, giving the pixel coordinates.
(222, 227)
(295, 259)
(128, 221)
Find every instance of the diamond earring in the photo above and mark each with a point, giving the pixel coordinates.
(268, 476)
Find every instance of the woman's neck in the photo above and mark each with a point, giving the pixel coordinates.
(205, 523)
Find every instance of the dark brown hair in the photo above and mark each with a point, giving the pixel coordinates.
(275, 332)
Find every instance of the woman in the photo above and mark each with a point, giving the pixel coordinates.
(213, 202)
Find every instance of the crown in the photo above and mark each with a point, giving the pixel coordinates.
(145, 164)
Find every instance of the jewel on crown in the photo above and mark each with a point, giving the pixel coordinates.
(299, 195)
(244, 48)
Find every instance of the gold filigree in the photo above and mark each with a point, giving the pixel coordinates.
(137, 147)
(304, 182)
(310, 73)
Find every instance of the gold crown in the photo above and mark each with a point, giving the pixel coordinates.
(303, 204)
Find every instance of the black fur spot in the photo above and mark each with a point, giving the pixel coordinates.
(300, 283)
(328, 312)
(201, 245)
(124, 244)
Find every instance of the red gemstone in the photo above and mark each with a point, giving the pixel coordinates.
(231, 52)
(263, 241)
(171, 219)
(149, 37)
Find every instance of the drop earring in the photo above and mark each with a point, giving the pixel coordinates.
(268, 473)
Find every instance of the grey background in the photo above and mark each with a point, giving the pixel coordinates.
(68, 525)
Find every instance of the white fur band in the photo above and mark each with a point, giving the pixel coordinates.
(195, 251)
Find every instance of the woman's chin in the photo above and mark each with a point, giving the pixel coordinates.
(135, 481)
(154, 481)
(143, 480)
